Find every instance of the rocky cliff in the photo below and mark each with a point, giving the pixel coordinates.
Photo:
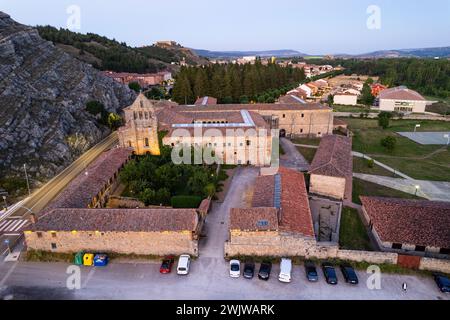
(43, 94)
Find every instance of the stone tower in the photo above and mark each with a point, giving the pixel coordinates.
(141, 127)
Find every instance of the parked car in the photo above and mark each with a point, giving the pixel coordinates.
(285, 270)
(184, 263)
(311, 271)
(249, 270)
(100, 260)
(442, 282)
(264, 271)
(166, 265)
(349, 274)
(329, 273)
(235, 268)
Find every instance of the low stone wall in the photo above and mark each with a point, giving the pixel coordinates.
(438, 265)
(368, 256)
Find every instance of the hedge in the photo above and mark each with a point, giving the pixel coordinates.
(186, 201)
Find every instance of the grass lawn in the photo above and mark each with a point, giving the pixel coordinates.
(364, 188)
(353, 233)
(408, 156)
(307, 141)
(360, 165)
(355, 109)
(307, 153)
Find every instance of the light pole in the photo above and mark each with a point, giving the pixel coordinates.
(448, 138)
(6, 204)
(417, 189)
(416, 127)
(26, 177)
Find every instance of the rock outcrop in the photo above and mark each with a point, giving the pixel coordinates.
(43, 94)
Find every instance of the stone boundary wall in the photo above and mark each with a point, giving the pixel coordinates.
(375, 257)
(432, 264)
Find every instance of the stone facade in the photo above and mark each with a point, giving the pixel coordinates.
(141, 128)
(141, 243)
(438, 265)
(328, 186)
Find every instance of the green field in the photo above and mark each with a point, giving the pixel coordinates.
(423, 162)
(307, 141)
(354, 109)
(364, 188)
(360, 165)
(352, 233)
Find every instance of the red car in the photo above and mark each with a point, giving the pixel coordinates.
(166, 265)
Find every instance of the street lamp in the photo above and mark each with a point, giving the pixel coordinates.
(448, 138)
(416, 127)
(417, 189)
(6, 204)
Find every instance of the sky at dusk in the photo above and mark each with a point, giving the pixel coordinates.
(312, 27)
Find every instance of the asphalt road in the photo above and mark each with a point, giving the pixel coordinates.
(41, 197)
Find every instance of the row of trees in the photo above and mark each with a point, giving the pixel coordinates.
(114, 55)
(427, 76)
(233, 83)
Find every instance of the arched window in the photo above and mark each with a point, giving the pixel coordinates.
(129, 144)
(142, 103)
(146, 142)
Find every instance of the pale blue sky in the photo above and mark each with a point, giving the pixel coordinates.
(314, 27)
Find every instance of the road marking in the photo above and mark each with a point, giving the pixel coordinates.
(11, 270)
(12, 225)
(6, 225)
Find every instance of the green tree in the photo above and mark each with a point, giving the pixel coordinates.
(366, 95)
(134, 86)
(95, 107)
(384, 119)
(389, 143)
(114, 121)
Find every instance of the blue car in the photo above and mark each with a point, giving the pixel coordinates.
(442, 282)
(330, 273)
(100, 260)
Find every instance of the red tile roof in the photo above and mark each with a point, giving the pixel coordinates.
(414, 222)
(400, 93)
(254, 219)
(263, 192)
(334, 157)
(295, 212)
(118, 220)
(254, 107)
(80, 191)
(206, 101)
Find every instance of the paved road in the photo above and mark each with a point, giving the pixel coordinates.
(41, 197)
(208, 280)
(292, 157)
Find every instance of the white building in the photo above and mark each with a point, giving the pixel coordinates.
(345, 99)
(402, 99)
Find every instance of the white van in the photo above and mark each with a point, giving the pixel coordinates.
(183, 264)
(285, 270)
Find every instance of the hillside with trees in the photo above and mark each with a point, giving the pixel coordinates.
(233, 83)
(427, 76)
(107, 54)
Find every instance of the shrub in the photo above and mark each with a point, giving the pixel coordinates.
(95, 107)
(389, 143)
(186, 201)
(370, 163)
(134, 86)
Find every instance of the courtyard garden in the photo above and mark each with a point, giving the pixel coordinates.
(156, 180)
(352, 233)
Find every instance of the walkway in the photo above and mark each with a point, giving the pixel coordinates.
(292, 157)
(431, 190)
(398, 173)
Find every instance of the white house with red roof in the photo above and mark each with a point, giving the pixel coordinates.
(402, 99)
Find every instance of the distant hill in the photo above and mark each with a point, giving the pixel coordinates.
(441, 52)
(240, 54)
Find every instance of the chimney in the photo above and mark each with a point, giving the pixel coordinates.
(33, 218)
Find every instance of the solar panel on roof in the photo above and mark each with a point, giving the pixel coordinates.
(262, 223)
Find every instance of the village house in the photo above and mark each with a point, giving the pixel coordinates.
(377, 88)
(332, 168)
(416, 227)
(345, 99)
(144, 80)
(279, 223)
(125, 231)
(402, 99)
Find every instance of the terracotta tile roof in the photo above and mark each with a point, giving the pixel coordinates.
(295, 212)
(295, 215)
(254, 107)
(290, 98)
(401, 93)
(254, 219)
(263, 192)
(414, 222)
(334, 157)
(103, 220)
(81, 190)
(206, 101)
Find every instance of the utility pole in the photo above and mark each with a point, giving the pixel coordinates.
(26, 177)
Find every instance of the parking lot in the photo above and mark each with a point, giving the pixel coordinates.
(208, 279)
